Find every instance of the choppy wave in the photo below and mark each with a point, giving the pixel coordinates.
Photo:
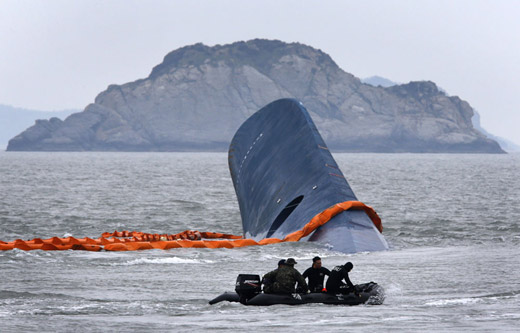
(9, 294)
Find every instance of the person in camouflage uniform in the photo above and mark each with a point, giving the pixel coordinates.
(283, 279)
(270, 277)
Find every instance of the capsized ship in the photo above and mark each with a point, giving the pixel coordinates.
(284, 175)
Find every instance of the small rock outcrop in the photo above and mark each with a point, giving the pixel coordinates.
(198, 96)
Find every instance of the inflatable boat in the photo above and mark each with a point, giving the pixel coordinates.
(248, 292)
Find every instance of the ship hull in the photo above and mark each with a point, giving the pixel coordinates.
(284, 175)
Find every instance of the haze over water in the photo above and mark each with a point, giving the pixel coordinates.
(452, 221)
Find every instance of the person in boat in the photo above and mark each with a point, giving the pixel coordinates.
(335, 284)
(283, 279)
(316, 274)
(268, 279)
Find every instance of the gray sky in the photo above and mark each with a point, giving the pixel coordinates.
(60, 54)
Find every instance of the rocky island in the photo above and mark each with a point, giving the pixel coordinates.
(198, 96)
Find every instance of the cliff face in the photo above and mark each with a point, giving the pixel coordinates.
(199, 95)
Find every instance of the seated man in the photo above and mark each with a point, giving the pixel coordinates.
(335, 283)
(283, 279)
(316, 273)
(269, 278)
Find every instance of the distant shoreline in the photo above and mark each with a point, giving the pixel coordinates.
(3, 150)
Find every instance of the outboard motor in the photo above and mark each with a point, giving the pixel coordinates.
(247, 286)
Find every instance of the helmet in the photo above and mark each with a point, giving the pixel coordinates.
(348, 266)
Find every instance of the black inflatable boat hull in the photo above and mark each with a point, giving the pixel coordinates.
(369, 293)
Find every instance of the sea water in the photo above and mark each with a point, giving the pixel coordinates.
(452, 222)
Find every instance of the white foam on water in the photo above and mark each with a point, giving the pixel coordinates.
(162, 261)
(455, 301)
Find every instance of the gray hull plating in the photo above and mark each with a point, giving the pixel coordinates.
(284, 175)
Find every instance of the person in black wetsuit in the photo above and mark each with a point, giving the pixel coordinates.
(335, 284)
(316, 274)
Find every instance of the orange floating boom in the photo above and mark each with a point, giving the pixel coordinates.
(136, 240)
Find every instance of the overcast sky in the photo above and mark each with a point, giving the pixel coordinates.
(60, 54)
